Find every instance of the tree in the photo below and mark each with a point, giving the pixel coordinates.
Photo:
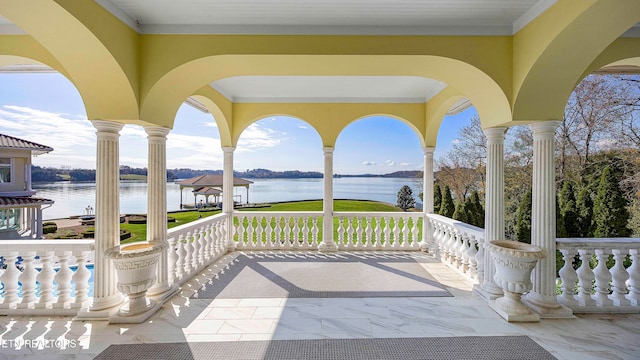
(523, 222)
(610, 214)
(405, 198)
(460, 213)
(447, 208)
(437, 198)
(478, 210)
(569, 210)
(584, 206)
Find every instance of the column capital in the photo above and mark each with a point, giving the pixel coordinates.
(228, 149)
(428, 150)
(545, 127)
(495, 133)
(105, 126)
(328, 149)
(154, 131)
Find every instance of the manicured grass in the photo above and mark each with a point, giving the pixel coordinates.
(139, 231)
(133, 177)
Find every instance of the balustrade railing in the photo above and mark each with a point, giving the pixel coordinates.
(458, 245)
(45, 277)
(277, 230)
(378, 230)
(195, 245)
(600, 275)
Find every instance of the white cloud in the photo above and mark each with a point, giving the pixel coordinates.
(405, 164)
(303, 127)
(390, 163)
(258, 137)
(212, 124)
(456, 141)
(368, 163)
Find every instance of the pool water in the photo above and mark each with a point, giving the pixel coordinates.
(55, 285)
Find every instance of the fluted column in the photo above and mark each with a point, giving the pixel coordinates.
(542, 298)
(107, 229)
(227, 193)
(494, 207)
(427, 198)
(327, 244)
(157, 202)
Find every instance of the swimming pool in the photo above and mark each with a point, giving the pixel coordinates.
(73, 268)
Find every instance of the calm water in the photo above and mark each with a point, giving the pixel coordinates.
(71, 198)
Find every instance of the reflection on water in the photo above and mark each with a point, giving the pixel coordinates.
(72, 198)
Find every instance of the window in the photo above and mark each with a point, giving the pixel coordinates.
(5, 170)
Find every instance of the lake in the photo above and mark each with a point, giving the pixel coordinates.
(71, 198)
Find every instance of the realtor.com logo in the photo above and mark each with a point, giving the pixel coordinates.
(39, 344)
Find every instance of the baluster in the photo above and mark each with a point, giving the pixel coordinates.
(296, 232)
(471, 256)
(277, 231)
(45, 278)
(81, 278)
(196, 249)
(28, 280)
(619, 277)
(188, 259)
(240, 230)
(341, 230)
(358, 234)
(208, 242)
(603, 276)
(378, 242)
(305, 233)
(63, 279)
(480, 261)
(260, 232)
(217, 243)
(396, 232)
(464, 259)
(569, 278)
(201, 245)
(585, 279)
(634, 277)
(314, 232)
(414, 234)
(452, 245)
(350, 231)
(172, 260)
(182, 253)
(368, 231)
(405, 232)
(268, 231)
(10, 280)
(249, 239)
(387, 232)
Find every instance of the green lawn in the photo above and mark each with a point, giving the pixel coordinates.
(138, 231)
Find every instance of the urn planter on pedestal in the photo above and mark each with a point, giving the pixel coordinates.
(514, 262)
(136, 266)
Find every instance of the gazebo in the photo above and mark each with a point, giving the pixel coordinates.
(208, 185)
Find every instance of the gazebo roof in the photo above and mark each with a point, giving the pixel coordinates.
(211, 181)
(207, 190)
(22, 201)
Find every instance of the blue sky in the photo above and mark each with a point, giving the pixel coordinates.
(47, 108)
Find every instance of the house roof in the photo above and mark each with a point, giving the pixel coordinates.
(22, 201)
(211, 181)
(10, 142)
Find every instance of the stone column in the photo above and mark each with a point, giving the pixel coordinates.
(38, 223)
(494, 207)
(157, 202)
(107, 229)
(327, 244)
(427, 198)
(227, 193)
(542, 298)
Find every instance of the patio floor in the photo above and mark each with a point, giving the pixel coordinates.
(197, 320)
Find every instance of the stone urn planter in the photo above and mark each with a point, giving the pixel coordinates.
(514, 262)
(136, 266)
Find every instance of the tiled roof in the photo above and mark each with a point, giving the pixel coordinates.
(207, 190)
(22, 201)
(212, 181)
(10, 142)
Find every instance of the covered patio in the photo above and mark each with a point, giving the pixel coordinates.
(330, 65)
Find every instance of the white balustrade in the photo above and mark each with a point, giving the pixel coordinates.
(194, 246)
(378, 230)
(601, 287)
(286, 230)
(459, 245)
(38, 276)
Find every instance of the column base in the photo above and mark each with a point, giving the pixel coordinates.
(513, 315)
(327, 247)
(488, 291)
(121, 318)
(102, 310)
(547, 308)
(424, 247)
(162, 293)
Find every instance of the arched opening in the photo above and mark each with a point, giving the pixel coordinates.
(282, 155)
(374, 157)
